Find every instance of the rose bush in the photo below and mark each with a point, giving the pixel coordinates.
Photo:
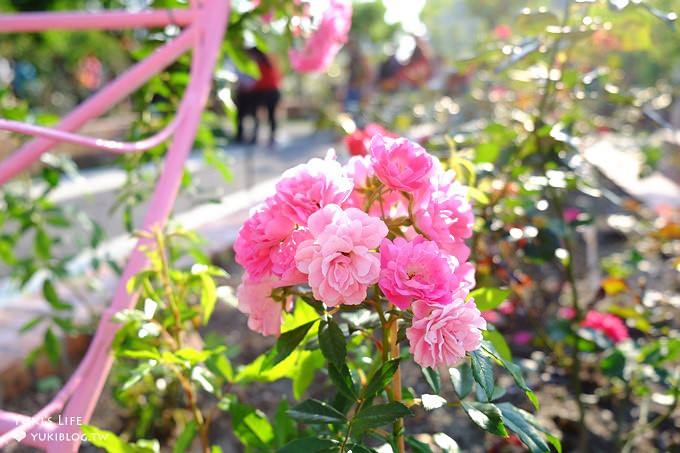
(376, 249)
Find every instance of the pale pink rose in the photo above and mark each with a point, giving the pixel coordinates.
(415, 270)
(266, 244)
(360, 170)
(401, 164)
(445, 215)
(264, 313)
(306, 188)
(323, 45)
(339, 259)
(441, 335)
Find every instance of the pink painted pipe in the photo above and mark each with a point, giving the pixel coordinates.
(105, 20)
(35, 437)
(96, 105)
(112, 146)
(81, 392)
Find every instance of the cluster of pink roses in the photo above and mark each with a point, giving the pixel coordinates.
(326, 41)
(389, 225)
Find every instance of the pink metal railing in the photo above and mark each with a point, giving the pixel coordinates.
(206, 22)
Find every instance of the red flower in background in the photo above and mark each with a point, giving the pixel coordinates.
(610, 325)
(357, 142)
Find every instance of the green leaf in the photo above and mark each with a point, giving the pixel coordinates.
(309, 445)
(380, 379)
(462, 379)
(208, 296)
(487, 416)
(52, 298)
(286, 344)
(525, 426)
(379, 415)
(284, 426)
(497, 340)
(184, 440)
(51, 346)
(42, 244)
(514, 370)
(613, 364)
(433, 379)
(482, 371)
(306, 372)
(250, 425)
(487, 152)
(332, 342)
(220, 365)
(417, 446)
(314, 412)
(114, 444)
(105, 439)
(343, 381)
(31, 324)
(489, 298)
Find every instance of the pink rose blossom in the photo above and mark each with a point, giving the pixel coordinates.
(339, 259)
(444, 214)
(266, 244)
(401, 164)
(610, 325)
(441, 335)
(264, 313)
(326, 41)
(306, 188)
(415, 270)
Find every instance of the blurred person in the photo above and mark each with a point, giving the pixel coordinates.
(253, 94)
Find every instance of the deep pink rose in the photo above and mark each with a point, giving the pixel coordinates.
(401, 164)
(610, 325)
(306, 188)
(415, 270)
(326, 41)
(340, 260)
(444, 214)
(266, 244)
(441, 335)
(264, 313)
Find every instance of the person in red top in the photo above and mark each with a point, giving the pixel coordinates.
(252, 95)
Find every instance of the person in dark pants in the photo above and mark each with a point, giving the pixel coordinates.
(254, 94)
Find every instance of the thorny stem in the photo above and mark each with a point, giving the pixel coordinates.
(398, 427)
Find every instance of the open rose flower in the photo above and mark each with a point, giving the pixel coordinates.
(264, 313)
(323, 45)
(340, 259)
(305, 188)
(445, 215)
(415, 270)
(610, 325)
(441, 335)
(266, 244)
(401, 164)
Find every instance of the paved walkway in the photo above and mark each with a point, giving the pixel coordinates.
(255, 170)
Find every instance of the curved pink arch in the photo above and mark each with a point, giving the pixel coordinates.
(208, 23)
